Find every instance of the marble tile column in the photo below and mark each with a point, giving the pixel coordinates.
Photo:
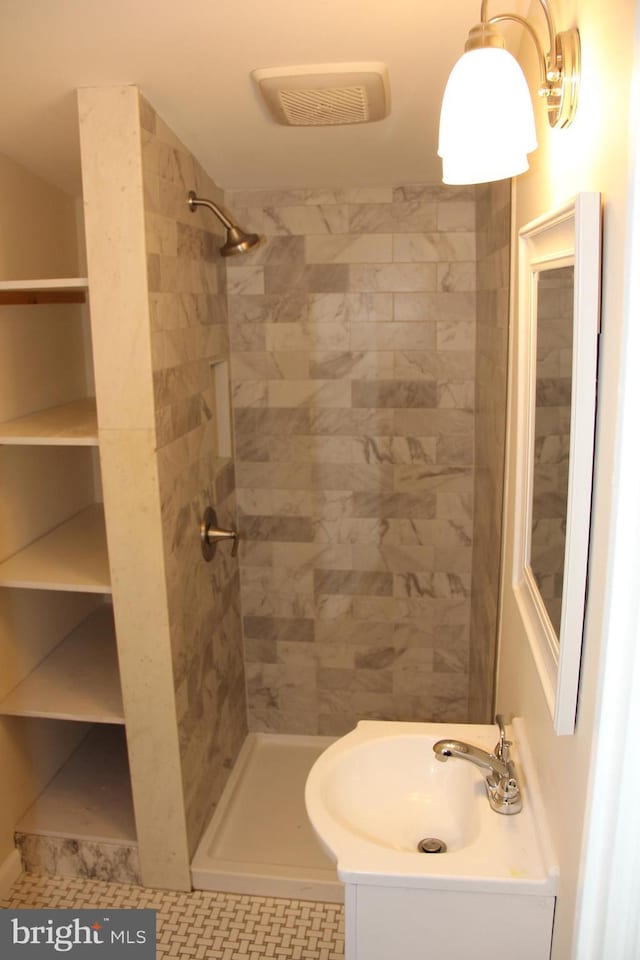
(159, 323)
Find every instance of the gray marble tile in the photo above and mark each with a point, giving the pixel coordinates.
(288, 307)
(351, 582)
(312, 278)
(422, 307)
(347, 476)
(352, 422)
(90, 860)
(399, 505)
(394, 393)
(352, 365)
(279, 629)
(403, 216)
(433, 191)
(276, 528)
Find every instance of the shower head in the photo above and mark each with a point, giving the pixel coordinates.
(236, 240)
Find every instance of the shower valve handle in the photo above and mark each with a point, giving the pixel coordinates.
(211, 535)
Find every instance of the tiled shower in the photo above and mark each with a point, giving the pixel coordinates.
(365, 346)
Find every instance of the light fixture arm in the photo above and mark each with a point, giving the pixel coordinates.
(548, 15)
(542, 59)
(559, 68)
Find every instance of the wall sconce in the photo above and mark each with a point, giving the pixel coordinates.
(486, 122)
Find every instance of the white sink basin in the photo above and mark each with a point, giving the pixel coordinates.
(375, 793)
(393, 792)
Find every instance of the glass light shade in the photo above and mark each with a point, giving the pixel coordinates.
(486, 121)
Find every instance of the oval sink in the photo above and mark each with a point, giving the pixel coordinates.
(393, 792)
(373, 795)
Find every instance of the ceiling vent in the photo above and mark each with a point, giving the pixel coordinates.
(320, 95)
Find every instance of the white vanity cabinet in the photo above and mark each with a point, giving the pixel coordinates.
(386, 922)
(379, 796)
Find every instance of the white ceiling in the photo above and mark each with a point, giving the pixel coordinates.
(192, 60)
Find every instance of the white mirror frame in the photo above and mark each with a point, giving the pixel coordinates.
(570, 235)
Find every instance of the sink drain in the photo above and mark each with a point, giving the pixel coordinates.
(432, 845)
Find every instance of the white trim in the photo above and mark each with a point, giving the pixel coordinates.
(571, 235)
(608, 912)
(10, 870)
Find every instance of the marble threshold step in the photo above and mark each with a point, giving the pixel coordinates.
(82, 824)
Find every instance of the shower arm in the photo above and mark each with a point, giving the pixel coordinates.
(195, 201)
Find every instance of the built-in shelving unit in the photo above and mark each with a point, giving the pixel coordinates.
(72, 556)
(90, 798)
(73, 424)
(73, 677)
(78, 680)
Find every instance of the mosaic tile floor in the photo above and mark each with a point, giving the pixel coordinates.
(203, 926)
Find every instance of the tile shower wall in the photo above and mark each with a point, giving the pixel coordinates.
(188, 331)
(493, 226)
(353, 379)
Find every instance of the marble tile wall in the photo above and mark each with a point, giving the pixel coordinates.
(188, 315)
(353, 381)
(493, 236)
(62, 857)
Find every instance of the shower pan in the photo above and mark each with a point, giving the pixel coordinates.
(260, 840)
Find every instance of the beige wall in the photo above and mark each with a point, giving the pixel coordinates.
(352, 334)
(590, 155)
(38, 237)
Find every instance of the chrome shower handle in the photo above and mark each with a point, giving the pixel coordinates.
(211, 535)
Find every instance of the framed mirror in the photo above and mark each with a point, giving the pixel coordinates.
(558, 325)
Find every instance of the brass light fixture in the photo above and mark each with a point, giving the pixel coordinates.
(486, 122)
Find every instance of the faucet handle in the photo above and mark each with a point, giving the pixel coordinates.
(502, 746)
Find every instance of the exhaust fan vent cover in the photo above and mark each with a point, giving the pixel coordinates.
(320, 95)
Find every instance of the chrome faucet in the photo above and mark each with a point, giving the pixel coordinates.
(502, 785)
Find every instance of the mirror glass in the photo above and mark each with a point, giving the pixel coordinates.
(552, 430)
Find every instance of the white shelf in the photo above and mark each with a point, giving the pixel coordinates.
(49, 283)
(90, 797)
(48, 290)
(72, 424)
(78, 680)
(72, 556)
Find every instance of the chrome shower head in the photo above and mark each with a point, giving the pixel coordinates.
(237, 240)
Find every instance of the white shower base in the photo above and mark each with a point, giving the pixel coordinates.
(259, 840)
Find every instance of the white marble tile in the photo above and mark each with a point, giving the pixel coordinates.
(292, 393)
(393, 277)
(434, 247)
(349, 248)
(302, 220)
(457, 216)
(241, 280)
